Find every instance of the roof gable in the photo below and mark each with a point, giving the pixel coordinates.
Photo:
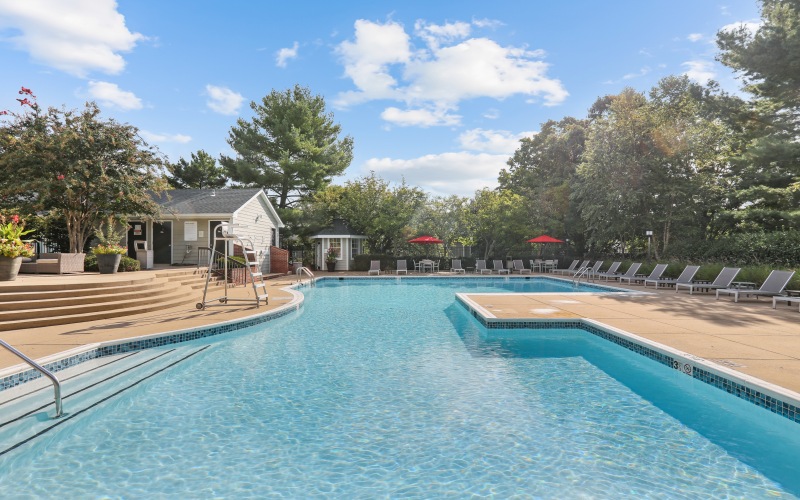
(204, 201)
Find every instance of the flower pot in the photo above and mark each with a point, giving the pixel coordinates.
(331, 266)
(9, 268)
(108, 263)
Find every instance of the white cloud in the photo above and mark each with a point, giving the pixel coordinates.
(111, 95)
(383, 64)
(75, 36)
(694, 37)
(487, 23)
(153, 137)
(419, 117)
(283, 55)
(460, 173)
(642, 72)
(750, 26)
(223, 100)
(699, 70)
(492, 114)
(492, 141)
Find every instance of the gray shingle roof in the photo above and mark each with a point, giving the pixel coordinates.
(204, 201)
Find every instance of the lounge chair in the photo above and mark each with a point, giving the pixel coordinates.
(611, 271)
(574, 267)
(656, 274)
(375, 267)
(630, 273)
(498, 266)
(402, 267)
(594, 269)
(784, 298)
(480, 267)
(772, 286)
(687, 275)
(520, 267)
(455, 266)
(723, 280)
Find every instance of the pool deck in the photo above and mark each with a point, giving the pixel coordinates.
(749, 336)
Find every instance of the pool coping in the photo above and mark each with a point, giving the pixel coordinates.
(774, 398)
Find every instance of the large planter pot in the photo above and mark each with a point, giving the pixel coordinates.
(9, 268)
(331, 266)
(108, 263)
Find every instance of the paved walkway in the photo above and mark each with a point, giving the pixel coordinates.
(749, 336)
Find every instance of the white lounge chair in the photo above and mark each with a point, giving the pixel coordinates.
(687, 275)
(630, 273)
(520, 267)
(402, 267)
(723, 280)
(455, 267)
(480, 267)
(656, 274)
(772, 286)
(572, 268)
(375, 267)
(498, 266)
(784, 298)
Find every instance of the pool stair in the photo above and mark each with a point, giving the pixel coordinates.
(60, 302)
(27, 412)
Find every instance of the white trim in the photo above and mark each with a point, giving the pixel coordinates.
(272, 212)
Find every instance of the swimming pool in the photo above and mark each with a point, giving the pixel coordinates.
(390, 388)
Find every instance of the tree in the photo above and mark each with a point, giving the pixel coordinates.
(447, 219)
(76, 165)
(290, 148)
(200, 173)
(498, 221)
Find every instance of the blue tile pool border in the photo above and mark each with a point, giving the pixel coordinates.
(695, 367)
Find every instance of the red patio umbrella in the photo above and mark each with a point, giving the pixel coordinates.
(544, 239)
(426, 240)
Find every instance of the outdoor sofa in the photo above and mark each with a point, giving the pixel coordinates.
(54, 263)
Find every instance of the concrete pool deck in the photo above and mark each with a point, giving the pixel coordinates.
(748, 336)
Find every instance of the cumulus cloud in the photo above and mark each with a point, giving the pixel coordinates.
(153, 137)
(383, 63)
(491, 141)
(642, 72)
(750, 26)
(111, 95)
(419, 117)
(435, 173)
(694, 37)
(284, 54)
(699, 70)
(74, 36)
(223, 100)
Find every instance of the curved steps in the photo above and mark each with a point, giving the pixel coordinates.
(59, 303)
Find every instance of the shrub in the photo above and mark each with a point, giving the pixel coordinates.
(125, 264)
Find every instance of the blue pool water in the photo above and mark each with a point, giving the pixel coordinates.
(391, 389)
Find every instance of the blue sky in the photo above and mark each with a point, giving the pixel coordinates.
(438, 93)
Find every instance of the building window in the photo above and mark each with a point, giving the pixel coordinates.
(355, 247)
(273, 237)
(336, 244)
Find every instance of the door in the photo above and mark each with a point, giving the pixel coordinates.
(212, 230)
(162, 242)
(137, 231)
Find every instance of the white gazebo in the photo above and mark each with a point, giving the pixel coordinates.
(340, 237)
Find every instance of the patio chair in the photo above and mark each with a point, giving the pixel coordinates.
(656, 274)
(402, 267)
(375, 267)
(537, 264)
(772, 286)
(611, 271)
(723, 280)
(480, 266)
(498, 266)
(572, 268)
(687, 275)
(455, 267)
(520, 267)
(630, 273)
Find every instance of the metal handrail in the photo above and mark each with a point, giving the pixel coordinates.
(301, 270)
(41, 369)
(584, 271)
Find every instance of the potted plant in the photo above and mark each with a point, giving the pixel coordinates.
(330, 259)
(12, 248)
(108, 250)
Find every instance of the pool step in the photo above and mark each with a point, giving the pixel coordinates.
(27, 411)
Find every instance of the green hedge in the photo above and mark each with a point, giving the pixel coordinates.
(776, 249)
(125, 264)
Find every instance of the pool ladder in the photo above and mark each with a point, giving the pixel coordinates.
(584, 272)
(304, 270)
(41, 369)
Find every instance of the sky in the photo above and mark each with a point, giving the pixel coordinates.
(434, 93)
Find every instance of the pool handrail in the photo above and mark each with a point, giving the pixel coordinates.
(41, 369)
(304, 270)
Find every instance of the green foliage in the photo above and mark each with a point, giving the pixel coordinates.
(77, 166)
(126, 264)
(109, 237)
(499, 222)
(778, 249)
(12, 229)
(291, 147)
(201, 172)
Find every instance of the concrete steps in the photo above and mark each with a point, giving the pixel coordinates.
(60, 302)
